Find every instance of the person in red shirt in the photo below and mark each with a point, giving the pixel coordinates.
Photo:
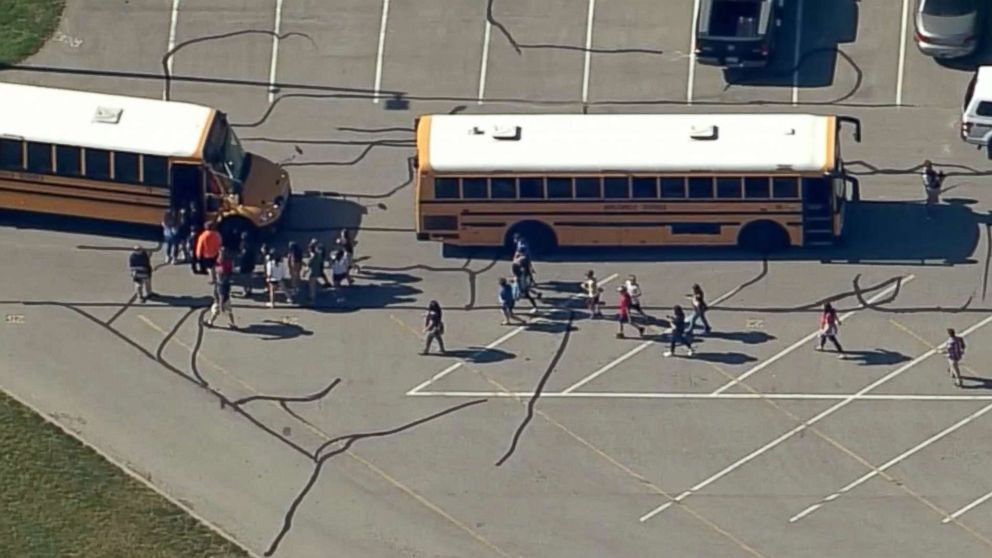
(208, 246)
(623, 313)
(829, 324)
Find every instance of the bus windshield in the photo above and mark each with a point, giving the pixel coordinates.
(224, 152)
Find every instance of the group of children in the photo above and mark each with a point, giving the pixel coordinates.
(234, 260)
(629, 301)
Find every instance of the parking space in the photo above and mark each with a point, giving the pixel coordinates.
(636, 56)
(537, 56)
(755, 430)
(434, 49)
(239, 47)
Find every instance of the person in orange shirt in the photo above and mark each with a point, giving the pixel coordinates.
(208, 246)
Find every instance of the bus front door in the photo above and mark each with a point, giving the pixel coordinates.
(187, 190)
(818, 215)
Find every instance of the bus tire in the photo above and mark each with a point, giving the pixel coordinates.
(231, 228)
(541, 239)
(763, 237)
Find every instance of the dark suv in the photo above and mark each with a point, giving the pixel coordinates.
(736, 33)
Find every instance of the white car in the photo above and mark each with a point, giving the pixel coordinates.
(947, 28)
(976, 115)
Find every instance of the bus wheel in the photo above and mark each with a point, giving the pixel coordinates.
(231, 229)
(763, 237)
(540, 237)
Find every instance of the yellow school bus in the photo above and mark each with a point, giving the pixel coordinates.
(762, 181)
(128, 159)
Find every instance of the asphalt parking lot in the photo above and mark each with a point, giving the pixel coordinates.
(553, 438)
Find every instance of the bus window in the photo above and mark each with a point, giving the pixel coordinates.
(672, 187)
(644, 187)
(700, 186)
(97, 164)
(559, 188)
(756, 187)
(68, 160)
(475, 188)
(785, 187)
(587, 188)
(616, 187)
(531, 188)
(728, 187)
(155, 170)
(11, 154)
(503, 188)
(39, 157)
(446, 188)
(125, 167)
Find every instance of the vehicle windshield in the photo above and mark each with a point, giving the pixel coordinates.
(223, 151)
(948, 7)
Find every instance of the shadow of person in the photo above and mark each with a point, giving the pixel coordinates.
(974, 382)
(875, 357)
(548, 326)
(746, 337)
(272, 330)
(477, 355)
(564, 287)
(730, 358)
(187, 301)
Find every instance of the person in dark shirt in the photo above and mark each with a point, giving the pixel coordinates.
(246, 258)
(433, 327)
(315, 269)
(141, 273)
(222, 300)
(678, 331)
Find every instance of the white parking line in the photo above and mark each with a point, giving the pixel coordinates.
(806, 424)
(485, 60)
(707, 396)
(692, 51)
(611, 365)
(275, 51)
(588, 58)
(378, 56)
(895, 460)
(493, 345)
(807, 339)
(795, 57)
(902, 52)
(967, 508)
(172, 38)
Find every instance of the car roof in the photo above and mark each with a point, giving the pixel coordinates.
(983, 85)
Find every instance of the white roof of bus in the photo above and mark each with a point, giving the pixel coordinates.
(630, 143)
(65, 116)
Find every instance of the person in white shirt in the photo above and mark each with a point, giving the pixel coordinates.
(634, 290)
(340, 267)
(275, 273)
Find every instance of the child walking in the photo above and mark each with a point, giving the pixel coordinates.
(433, 327)
(954, 349)
(623, 312)
(829, 326)
(592, 291)
(678, 332)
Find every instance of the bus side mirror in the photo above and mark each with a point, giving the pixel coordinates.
(856, 122)
(855, 188)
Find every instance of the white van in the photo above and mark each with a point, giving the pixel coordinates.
(976, 117)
